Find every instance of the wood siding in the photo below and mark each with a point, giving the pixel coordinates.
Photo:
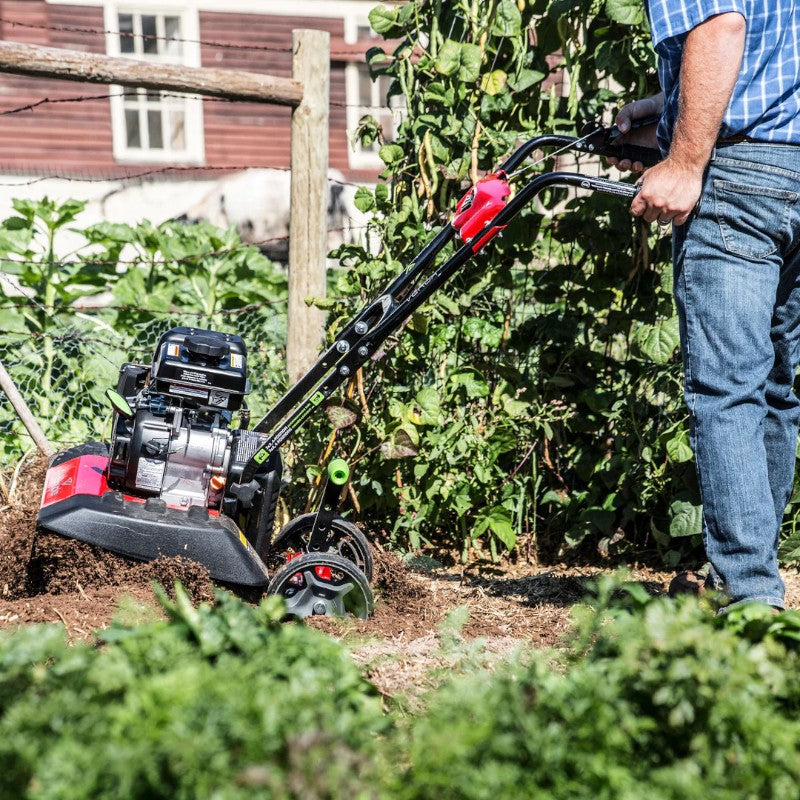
(74, 139)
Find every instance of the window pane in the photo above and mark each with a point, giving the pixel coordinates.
(153, 96)
(154, 130)
(364, 86)
(132, 135)
(177, 135)
(149, 34)
(172, 30)
(126, 33)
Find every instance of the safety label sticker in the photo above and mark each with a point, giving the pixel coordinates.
(237, 360)
(150, 474)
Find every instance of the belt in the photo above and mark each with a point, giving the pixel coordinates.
(738, 139)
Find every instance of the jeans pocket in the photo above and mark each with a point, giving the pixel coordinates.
(751, 219)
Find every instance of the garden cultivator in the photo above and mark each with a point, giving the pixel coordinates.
(179, 480)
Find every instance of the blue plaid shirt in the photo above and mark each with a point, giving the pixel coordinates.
(765, 104)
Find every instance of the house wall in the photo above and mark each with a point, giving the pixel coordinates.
(75, 138)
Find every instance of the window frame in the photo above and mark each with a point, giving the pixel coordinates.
(357, 156)
(194, 152)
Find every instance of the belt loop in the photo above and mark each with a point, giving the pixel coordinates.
(713, 152)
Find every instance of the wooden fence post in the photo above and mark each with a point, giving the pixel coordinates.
(24, 413)
(309, 201)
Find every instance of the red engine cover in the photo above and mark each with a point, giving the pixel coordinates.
(82, 475)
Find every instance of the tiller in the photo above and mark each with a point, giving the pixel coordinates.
(178, 479)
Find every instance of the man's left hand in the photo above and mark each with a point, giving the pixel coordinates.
(669, 192)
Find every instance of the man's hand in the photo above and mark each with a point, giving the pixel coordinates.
(645, 136)
(709, 69)
(669, 192)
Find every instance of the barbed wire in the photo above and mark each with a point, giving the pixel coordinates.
(352, 56)
(187, 168)
(134, 93)
(130, 93)
(180, 259)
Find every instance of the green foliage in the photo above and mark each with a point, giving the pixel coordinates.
(651, 698)
(551, 362)
(666, 702)
(149, 274)
(220, 702)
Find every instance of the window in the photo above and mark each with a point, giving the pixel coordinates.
(153, 126)
(366, 96)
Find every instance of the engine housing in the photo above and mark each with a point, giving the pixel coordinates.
(177, 442)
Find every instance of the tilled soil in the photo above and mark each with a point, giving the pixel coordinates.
(47, 578)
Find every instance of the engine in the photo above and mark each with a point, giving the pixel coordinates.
(172, 438)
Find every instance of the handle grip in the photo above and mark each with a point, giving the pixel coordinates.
(605, 142)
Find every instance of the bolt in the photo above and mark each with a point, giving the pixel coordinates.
(591, 147)
(320, 609)
(361, 327)
(344, 370)
(363, 351)
(342, 346)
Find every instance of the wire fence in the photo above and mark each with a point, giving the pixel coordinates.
(63, 371)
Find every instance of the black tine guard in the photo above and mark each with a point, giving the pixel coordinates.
(146, 531)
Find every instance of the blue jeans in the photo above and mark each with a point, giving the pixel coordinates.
(737, 290)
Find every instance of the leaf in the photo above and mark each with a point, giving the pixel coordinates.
(472, 382)
(678, 448)
(384, 21)
(390, 154)
(449, 58)
(494, 82)
(341, 417)
(364, 200)
(627, 12)
(399, 445)
(658, 342)
(461, 60)
(498, 520)
(428, 401)
(526, 79)
(685, 518)
(507, 19)
(471, 57)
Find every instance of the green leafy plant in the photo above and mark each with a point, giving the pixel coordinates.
(537, 399)
(219, 701)
(63, 345)
(656, 699)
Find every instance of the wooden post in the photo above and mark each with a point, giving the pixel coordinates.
(24, 413)
(72, 65)
(309, 201)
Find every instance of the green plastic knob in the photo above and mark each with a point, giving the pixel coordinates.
(339, 471)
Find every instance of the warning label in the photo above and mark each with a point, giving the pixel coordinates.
(193, 377)
(237, 362)
(150, 474)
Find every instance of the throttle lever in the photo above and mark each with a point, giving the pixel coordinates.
(603, 142)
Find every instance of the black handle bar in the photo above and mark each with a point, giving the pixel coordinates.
(362, 337)
(594, 139)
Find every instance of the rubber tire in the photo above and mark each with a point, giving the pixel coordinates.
(294, 536)
(364, 605)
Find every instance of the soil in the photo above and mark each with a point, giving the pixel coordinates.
(47, 578)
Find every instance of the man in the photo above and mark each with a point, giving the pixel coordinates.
(729, 183)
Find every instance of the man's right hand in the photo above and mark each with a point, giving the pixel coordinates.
(645, 136)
